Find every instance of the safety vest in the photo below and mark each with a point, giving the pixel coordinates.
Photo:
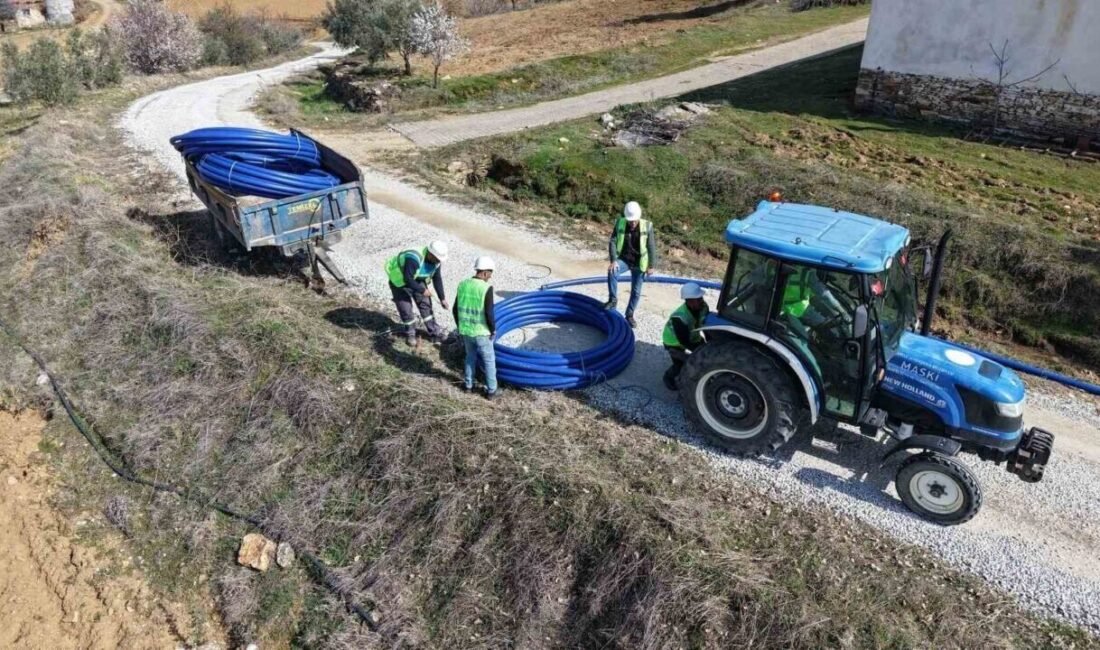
(643, 241)
(470, 304)
(395, 267)
(796, 295)
(684, 315)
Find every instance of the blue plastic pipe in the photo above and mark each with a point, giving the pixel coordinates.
(656, 279)
(1018, 366)
(561, 371)
(255, 162)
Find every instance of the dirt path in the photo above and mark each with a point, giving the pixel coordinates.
(55, 592)
(448, 130)
(1037, 541)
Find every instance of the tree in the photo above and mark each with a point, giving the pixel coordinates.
(156, 38)
(375, 27)
(42, 73)
(436, 35)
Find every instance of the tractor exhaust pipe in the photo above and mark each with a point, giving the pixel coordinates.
(934, 285)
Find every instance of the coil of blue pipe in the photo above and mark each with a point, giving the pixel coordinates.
(561, 371)
(254, 162)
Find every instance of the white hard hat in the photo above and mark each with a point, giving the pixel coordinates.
(691, 290)
(485, 263)
(439, 249)
(632, 211)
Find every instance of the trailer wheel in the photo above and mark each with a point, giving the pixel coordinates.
(741, 398)
(939, 488)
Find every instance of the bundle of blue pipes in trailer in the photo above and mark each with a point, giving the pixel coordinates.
(264, 189)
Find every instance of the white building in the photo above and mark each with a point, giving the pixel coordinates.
(34, 13)
(1025, 66)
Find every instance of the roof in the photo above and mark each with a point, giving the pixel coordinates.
(821, 236)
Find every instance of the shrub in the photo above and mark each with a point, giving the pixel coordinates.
(375, 27)
(156, 38)
(803, 5)
(42, 73)
(238, 39)
(96, 59)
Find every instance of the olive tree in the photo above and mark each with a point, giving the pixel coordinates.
(375, 27)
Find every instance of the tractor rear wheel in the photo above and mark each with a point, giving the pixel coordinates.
(939, 488)
(740, 397)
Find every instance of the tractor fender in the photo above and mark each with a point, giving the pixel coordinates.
(809, 388)
(940, 444)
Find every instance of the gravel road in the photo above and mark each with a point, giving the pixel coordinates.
(1037, 542)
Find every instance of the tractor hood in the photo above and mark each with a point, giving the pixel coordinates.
(927, 360)
(959, 386)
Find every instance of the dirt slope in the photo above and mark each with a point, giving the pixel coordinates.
(54, 592)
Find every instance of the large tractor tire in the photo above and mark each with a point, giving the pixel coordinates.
(741, 398)
(939, 488)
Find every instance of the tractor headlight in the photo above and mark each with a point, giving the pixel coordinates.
(1013, 410)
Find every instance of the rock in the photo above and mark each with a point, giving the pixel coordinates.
(673, 112)
(695, 108)
(563, 140)
(607, 119)
(42, 380)
(256, 552)
(284, 557)
(349, 386)
(12, 480)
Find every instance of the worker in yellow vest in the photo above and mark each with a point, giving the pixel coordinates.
(410, 272)
(682, 336)
(473, 311)
(633, 247)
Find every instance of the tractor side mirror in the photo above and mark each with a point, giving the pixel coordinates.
(928, 260)
(859, 323)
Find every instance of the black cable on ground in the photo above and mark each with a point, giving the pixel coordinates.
(318, 570)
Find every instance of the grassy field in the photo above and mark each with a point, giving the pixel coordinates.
(296, 10)
(532, 521)
(1026, 255)
(679, 47)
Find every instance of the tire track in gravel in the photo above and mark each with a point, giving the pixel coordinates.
(1036, 541)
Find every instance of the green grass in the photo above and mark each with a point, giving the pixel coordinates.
(1026, 255)
(738, 30)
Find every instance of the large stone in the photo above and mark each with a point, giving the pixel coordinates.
(256, 552)
(284, 557)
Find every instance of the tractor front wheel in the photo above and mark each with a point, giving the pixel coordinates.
(740, 397)
(939, 488)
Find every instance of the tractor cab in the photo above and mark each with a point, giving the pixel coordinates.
(817, 318)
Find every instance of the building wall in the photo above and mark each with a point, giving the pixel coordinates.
(60, 12)
(935, 58)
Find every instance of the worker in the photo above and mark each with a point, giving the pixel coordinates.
(473, 311)
(632, 247)
(682, 335)
(410, 273)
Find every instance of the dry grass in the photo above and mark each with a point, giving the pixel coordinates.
(534, 522)
(306, 10)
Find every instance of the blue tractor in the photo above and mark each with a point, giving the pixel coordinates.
(817, 319)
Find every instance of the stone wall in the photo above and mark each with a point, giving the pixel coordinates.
(1023, 111)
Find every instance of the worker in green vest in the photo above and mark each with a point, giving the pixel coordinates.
(410, 273)
(682, 336)
(632, 247)
(473, 311)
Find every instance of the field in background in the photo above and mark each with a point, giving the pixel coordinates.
(1025, 262)
(613, 43)
(293, 9)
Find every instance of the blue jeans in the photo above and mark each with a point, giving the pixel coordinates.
(637, 278)
(481, 346)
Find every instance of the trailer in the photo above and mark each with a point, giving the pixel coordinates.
(304, 223)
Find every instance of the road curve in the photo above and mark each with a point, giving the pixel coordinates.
(1037, 542)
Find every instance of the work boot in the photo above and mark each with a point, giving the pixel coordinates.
(410, 340)
(610, 304)
(630, 321)
(467, 389)
(671, 383)
(493, 396)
